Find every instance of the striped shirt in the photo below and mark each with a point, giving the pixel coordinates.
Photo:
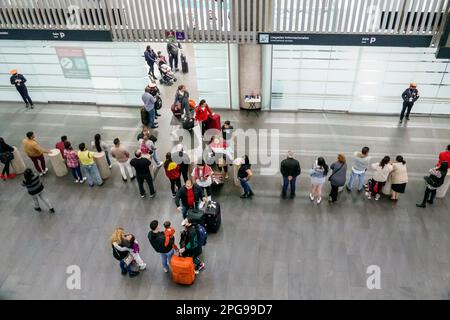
(34, 186)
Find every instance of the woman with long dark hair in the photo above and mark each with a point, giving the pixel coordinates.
(36, 190)
(380, 175)
(434, 181)
(244, 175)
(100, 146)
(6, 156)
(318, 173)
(173, 173)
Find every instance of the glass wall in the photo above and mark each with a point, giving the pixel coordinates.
(358, 79)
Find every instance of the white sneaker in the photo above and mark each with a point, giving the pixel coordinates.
(40, 174)
(369, 197)
(46, 170)
(82, 180)
(143, 267)
(110, 166)
(166, 270)
(311, 197)
(377, 197)
(160, 164)
(85, 178)
(77, 181)
(319, 200)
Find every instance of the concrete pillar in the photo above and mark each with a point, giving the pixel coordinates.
(442, 190)
(250, 72)
(102, 165)
(17, 163)
(58, 164)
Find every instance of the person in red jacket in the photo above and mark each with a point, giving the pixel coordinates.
(202, 114)
(444, 156)
(173, 173)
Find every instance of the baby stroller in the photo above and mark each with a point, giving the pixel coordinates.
(167, 76)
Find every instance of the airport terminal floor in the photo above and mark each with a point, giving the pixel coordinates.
(266, 248)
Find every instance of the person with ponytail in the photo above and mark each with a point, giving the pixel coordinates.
(382, 171)
(318, 173)
(100, 146)
(399, 177)
(434, 181)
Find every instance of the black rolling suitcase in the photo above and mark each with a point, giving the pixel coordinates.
(188, 123)
(196, 216)
(144, 116)
(212, 216)
(184, 64)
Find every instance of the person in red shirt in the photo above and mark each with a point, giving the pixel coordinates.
(202, 114)
(60, 145)
(189, 196)
(173, 173)
(444, 156)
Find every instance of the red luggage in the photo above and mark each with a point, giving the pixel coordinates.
(214, 122)
(183, 271)
(176, 109)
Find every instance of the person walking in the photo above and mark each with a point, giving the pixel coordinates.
(173, 173)
(244, 175)
(338, 176)
(399, 177)
(359, 168)
(36, 190)
(188, 197)
(318, 173)
(202, 113)
(157, 239)
(100, 146)
(182, 97)
(202, 176)
(409, 96)
(182, 159)
(142, 167)
(73, 163)
(122, 156)
(382, 171)
(60, 145)
(35, 152)
(190, 245)
(150, 58)
(18, 80)
(173, 51)
(122, 252)
(86, 159)
(149, 105)
(6, 156)
(290, 170)
(434, 181)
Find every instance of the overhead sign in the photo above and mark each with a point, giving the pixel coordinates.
(344, 40)
(73, 62)
(179, 35)
(57, 35)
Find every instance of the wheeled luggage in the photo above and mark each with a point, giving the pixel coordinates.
(188, 123)
(144, 116)
(183, 271)
(158, 103)
(196, 216)
(218, 178)
(176, 109)
(214, 122)
(212, 216)
(184, 64)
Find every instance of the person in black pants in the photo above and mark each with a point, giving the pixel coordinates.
(142, 167)
(150, 58)
(19, 80)
(6, 155)
(180, 157)
(409, 96)
(434, 181)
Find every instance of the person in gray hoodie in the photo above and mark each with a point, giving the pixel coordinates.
(359, 168)
(337, 178)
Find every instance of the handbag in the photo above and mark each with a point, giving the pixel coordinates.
(128, 259)
(329, 179)
(6, 157)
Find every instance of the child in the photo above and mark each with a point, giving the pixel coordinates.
(169, 232)
(133, 244)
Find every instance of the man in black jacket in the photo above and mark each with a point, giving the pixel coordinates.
(142, 167)
(409, 96)
(290, 169)
(157, 239)
(188, 197)
(19, 80)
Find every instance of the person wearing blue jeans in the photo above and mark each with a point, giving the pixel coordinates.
(244, 174)
(359, 168)
(188, 196)
(149, 104)
(158, 241)
(92, 175)
(290, 170)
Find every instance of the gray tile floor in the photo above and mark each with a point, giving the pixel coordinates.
(266, 249)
